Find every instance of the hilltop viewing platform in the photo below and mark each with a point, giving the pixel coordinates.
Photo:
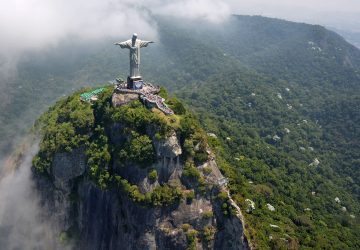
(147, 93)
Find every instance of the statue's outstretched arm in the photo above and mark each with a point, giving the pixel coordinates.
(123, 44)
(145, 43)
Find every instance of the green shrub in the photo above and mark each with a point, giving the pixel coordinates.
(207, 170)
(165, 195)
(185, 227)
(139, 150)
(191, 171)
(190, 195)
(208, 233)
(208, 214)
(200, 157)
(176, 106)
(222, 196)
(191, 238)
(153, 175)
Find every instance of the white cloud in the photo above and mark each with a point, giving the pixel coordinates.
(22, 223)
(35, 24)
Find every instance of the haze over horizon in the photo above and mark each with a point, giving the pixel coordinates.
(35, 24)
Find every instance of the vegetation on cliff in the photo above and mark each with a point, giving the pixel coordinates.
(72, 123)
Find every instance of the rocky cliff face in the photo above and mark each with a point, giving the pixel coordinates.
(91, 217)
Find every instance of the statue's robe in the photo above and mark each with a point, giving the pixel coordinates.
(134, 54)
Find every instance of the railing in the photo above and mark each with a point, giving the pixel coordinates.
(147, 93)
(159, 101)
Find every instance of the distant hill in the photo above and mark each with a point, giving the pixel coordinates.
(282, 98)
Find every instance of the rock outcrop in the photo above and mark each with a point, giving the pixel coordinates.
(68, 166)
(107, 219)
(168, 147)
(134, 209)
(122, 99)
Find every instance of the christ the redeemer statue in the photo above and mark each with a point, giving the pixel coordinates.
(134, 46)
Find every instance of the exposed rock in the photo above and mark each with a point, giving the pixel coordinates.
(270, 207)
(315, 163)
(250, 205)
(109, 219)
(337, 200)
(343, 209)
(67, 166)
(168, 147)
(212, 135)
(276, 138)
(116, 134)
(118, 100)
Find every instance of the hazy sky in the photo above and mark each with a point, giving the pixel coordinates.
(342, 14)
(33, 24)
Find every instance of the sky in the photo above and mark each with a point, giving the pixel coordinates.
(35, 24)
(340, 14)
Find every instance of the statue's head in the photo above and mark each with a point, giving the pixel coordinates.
(134, 36)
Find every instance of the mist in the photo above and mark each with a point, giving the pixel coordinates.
(36, 24)
(331, 13)
(28, 25)
(22, 223)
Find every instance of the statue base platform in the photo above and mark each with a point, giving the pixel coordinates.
(147, 94)
(135, 82)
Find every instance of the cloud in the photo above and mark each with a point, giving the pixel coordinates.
(211, 10)
(35, 24)
(27, 25)
(22, 224)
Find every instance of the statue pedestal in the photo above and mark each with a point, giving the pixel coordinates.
(135, 82)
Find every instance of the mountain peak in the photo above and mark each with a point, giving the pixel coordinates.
(143, 178)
